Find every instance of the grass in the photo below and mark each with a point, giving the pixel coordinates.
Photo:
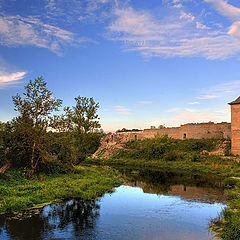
(18, 193)
(210, 164)
(162, 147)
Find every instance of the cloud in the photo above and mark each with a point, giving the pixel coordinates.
(223, 111)
(122, 110)
(224, 8)
(177, 5)
(176, 35)
(194, 103)
(187, 16)
(196, 116)
(172, 110)
(11, 78)
(18, 30)
(226, 91)
(201, 26)
(203, 115)
(207, 97)
(144, 102)
(156, 122)
(234, 30)
(89, 11)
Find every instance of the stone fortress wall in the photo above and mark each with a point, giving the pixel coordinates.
(222, 130)
(191, 130)
(235, 109)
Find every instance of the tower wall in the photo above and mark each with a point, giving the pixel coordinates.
(235, 128)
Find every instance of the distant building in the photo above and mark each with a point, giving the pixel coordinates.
(235, 126)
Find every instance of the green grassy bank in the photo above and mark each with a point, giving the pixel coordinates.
(18, 193)
(206, 165)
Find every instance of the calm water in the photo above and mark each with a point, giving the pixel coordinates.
(150, 206)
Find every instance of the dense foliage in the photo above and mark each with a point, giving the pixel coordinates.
(167, 148)
(39, 141)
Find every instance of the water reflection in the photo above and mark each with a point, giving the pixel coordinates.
(51, 221)
(191, 187)
(151, 206)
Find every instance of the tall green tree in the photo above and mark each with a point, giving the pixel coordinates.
(78, 125)
(35, 107)
(85, 116)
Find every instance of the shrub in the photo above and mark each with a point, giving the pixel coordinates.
(230, 225)
(162, 147)
(195, 157)
(172, 156)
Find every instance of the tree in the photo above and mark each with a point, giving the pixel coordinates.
(85, 116)
(79, 123)
(35, 108)
(3, 148)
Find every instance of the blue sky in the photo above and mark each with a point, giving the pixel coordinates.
(147, 62)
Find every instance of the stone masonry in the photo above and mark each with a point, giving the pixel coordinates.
(191, 130)
(113, 142)
(235, 122)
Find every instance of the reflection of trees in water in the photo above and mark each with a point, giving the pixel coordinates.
(168, 178)
(79, 214)
(24, 229)
(187, 185)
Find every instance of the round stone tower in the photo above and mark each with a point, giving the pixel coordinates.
(235, 126)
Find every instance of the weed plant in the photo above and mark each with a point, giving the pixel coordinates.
(17, 192)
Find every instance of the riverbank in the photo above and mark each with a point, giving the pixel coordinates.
(205, 165)
(17, 193)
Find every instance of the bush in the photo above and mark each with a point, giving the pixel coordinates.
(53, 167)
(167, 148)
(172, 156)
(195, 157)
(230, 225)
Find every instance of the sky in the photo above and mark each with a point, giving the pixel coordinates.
(147, 62)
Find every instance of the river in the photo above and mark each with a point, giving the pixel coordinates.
(150, 205)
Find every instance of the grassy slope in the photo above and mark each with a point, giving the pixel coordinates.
(18, 193)
(207, 164)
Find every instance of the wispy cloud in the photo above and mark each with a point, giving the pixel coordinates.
(156, 122)
(144, 102)
(226, 91)
(122, 110)
(203, 115)
(224, 8)
(201, 26)
(84, 11)
(176, 33)
(18, 30)
(207, 97)
(173, 110)
(223, 111)
(11, 78)
(195, 116)
(179, 34)
(194, 103)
